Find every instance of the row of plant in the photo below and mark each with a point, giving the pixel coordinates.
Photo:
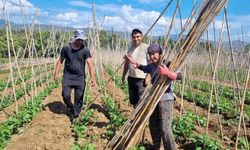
(229, 113)
(80, 127)
(116, 117)
(222, 90)
(25, 115)
(202, 98)
(25, 76)
(222, 74)
(116, 78)
(4, 71)
(124, 88)
(9, 99)
(183, 129)
(7, 70)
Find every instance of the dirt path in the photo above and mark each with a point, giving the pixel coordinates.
(97, 133)
(49, 130)
(118, 96)
(124, 107)
(52, 127)
(97, 123)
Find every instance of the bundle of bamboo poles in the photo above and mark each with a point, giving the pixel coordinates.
(128, 134)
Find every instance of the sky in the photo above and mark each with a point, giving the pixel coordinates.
(122, 15)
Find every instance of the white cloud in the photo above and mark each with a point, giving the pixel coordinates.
(24, 3)
(130, 18)
(68, 16)
(248, 34)
(21, 11)
(121, 17)
(116, 22)
(236, 22)
(15, 7)
(242, 18)
(74, 19)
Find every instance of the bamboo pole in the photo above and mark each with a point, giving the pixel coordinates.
(232, 56)
(166, 7)
(243, 119)
(191, 89)
(187, 23)
(234, 65)
(15, 56)
(9, 52)
(183, 89)
(147, 106)
(213, 87)
(213, 76)
(167, 46)
(242, 111)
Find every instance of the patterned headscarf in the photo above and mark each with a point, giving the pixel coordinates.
(154, 48)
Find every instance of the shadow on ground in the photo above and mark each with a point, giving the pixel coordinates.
(57, 107)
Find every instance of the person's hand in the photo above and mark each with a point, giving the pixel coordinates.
(125, 57)
(92, 82)
(123, 79)
(133, 62)
(56, 77)
(164, 71)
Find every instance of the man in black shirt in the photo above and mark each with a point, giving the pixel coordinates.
(75, 55)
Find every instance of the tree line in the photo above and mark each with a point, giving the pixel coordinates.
(45, 41)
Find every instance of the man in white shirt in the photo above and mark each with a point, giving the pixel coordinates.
(136, 77)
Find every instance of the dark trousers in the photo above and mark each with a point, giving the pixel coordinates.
(136, 88)
(78, 101)
(160, 124)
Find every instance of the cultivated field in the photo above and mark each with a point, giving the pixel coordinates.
(211, 110)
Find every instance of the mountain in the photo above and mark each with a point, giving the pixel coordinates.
(15, 26)
(237, 45)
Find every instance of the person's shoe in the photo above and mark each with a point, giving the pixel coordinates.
(71, 112)
(75, 115)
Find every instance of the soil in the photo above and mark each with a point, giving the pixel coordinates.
(100, 119)
(125, 107)
(52, 129)
(97, 123)
(49, 130)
